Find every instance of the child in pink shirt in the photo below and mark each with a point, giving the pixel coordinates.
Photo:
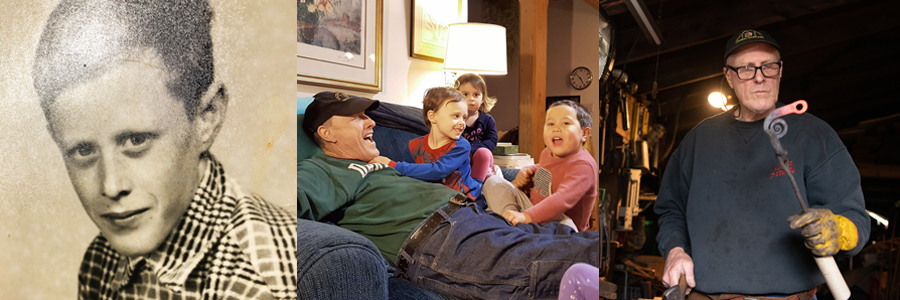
(563, 185)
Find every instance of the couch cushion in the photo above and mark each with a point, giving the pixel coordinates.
(406, 118)
(395, 126)
(302, 103)
(306, 148)
(392, 143)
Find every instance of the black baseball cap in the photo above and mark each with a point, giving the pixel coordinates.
(327, 104)
(749, 36)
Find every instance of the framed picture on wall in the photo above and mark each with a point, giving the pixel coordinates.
(339, 44)
(430, 23)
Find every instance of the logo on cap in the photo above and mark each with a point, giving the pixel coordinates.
(749, 34)
(341, 97)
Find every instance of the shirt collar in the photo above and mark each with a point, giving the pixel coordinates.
(191, 239)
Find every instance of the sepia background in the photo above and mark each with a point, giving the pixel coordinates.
(44, 231)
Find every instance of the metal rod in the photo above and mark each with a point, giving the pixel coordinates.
(787, 170)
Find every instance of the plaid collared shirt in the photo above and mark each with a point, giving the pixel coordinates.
(228, 246)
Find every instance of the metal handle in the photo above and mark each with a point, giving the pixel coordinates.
(776, 128)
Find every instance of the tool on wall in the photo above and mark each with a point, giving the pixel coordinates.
(631, 208)
(776, 128)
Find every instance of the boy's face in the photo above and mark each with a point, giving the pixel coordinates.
(563, 134)
(449, 121)
(130, 151)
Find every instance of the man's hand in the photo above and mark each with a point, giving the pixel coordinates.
(825, 232)
(524, 180)
(679, 263)
(380, 160)
(515, 217)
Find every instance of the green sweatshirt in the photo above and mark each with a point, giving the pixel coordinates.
(373, 199)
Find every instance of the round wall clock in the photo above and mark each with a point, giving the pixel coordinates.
(581, 78)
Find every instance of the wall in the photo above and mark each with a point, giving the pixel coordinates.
(505, 88)
(573, 40)
(44, 231)
(568, 21)
(404, 78)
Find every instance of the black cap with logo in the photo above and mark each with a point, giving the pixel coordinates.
(747, 37)
(328, 104)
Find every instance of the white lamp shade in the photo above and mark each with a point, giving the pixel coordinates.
(476, 48)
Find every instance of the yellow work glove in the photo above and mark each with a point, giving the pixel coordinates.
(825, 232)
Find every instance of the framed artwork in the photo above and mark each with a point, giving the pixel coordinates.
(430, 23)
(339, 44)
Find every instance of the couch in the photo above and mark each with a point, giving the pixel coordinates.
(336, 248)
(335, 263)
(395, 125)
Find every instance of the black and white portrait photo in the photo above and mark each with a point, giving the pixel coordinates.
(147, 149)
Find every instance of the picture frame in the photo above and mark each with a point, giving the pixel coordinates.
(430, 21)
(339, 44)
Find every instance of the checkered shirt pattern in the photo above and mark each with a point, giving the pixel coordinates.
(229, 245)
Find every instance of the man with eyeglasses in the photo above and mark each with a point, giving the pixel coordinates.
(723, 199)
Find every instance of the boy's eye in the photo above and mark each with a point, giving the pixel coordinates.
(82, 150)
(135, 144)
(83, 155)
(136, 140)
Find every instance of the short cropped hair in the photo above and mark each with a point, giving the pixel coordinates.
(85, 38)
(584, 118)
(478, 83)
(437, 97)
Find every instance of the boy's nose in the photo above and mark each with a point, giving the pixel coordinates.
(115, 183)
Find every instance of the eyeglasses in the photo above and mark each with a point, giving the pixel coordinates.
(769, 70)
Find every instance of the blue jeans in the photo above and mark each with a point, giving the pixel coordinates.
(476, 254)
(335, 263)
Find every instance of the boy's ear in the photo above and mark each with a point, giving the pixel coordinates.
(431, 116)
(210, 114)
(587, 134)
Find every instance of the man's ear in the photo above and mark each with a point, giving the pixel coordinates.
(210, 115)
(781, 72)
(725, 70)
(325, 133)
